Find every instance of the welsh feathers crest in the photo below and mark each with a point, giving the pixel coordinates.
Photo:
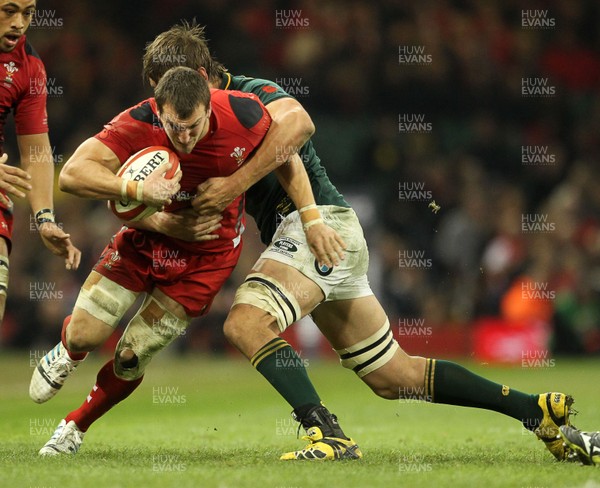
(11, 69)
(238, 154)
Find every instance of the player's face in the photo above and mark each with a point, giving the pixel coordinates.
(15, 17)
(185, 133)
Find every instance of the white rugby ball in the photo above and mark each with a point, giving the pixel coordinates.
(137, 168)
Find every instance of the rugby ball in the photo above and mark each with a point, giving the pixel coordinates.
(137, 168)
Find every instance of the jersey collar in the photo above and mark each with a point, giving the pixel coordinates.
(225, 81)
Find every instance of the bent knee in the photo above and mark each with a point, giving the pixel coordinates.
(392, 388)
(244, 320)
(78, 340)
(387, 392)
(233, 328)
(402, 377)
(127, 358)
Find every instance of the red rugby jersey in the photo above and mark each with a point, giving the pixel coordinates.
(238, 124)
(23, 90)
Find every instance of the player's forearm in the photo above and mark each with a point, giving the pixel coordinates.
(87, 179)
(90, 173)
(151, 223)
(42, 185)
(36, 158)
(290, 129)
(294, 180)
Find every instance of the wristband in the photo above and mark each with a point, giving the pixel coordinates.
(309, 224)
(43, 221)
(131, 189)
(307, 207)
(309, 215)
(44, 211)
(139, 191)
(124, 196)
(44, 215)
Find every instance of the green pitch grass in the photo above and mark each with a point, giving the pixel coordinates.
(216, 423)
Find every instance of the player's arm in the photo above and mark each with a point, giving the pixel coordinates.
(184, 224)
(90, 173)
(324, 242)
(291, 127)
(37, 161)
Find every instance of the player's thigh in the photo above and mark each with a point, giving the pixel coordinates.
(347, 322)
(169, 304)
(274, 296)
(306, 292)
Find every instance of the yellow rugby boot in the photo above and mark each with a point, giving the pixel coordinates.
(326, 440)
(556, 408)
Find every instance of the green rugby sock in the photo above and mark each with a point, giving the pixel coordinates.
(284, 369)
(447, 382)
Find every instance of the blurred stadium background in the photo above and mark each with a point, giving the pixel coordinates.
(507, 270)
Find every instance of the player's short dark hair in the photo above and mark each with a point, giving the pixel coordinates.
(184, 89)
(183, 44)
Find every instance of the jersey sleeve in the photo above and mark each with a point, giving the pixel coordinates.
(31, 116)
(250, 111)
(251, 114)
(125, 135)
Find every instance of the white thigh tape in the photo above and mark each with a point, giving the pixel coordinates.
(104, 299)
(267, 294)
(371, 353)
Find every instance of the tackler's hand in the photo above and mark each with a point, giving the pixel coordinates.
(325, 244)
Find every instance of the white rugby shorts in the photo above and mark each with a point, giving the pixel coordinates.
(343, 282)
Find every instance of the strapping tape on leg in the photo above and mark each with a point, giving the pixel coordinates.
(269, 295)
(3, 275)
(152, 329)
(104, 299)
(371, 353)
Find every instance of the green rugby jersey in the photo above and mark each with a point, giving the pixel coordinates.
(266, 201)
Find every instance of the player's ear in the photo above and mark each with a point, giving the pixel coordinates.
(203, 72)
(152, 83)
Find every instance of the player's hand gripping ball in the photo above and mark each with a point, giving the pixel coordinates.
(137, 168)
